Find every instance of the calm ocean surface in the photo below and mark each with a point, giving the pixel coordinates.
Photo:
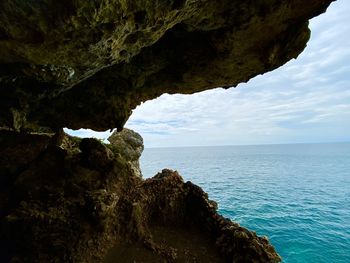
(297, 195)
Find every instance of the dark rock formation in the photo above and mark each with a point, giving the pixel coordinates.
(58, 205)
(87, 64)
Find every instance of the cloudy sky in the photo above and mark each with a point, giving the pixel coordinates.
(306, 100)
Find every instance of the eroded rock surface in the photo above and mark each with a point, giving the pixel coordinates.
(87, 64)
(128, 144)
(58, 206)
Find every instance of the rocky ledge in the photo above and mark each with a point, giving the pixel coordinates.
(87, 64)
(79, 200)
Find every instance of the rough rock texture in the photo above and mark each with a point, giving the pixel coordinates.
(128, 144)
(58, 205)
(87, 64)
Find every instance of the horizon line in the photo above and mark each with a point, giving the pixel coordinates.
(238, 145)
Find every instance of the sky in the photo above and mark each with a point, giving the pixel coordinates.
(305, 101)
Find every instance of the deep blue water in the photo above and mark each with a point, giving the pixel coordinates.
(297, 195)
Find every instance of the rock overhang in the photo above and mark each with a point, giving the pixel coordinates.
(82, 64)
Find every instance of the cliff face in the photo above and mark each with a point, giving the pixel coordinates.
(87, 64)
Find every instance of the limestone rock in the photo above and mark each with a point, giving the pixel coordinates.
(128, 144)
(87, 64)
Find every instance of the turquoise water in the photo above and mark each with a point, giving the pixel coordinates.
(297, 195)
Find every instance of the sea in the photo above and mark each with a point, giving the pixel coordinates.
(298, 194)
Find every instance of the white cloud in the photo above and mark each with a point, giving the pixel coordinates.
(87, 133)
